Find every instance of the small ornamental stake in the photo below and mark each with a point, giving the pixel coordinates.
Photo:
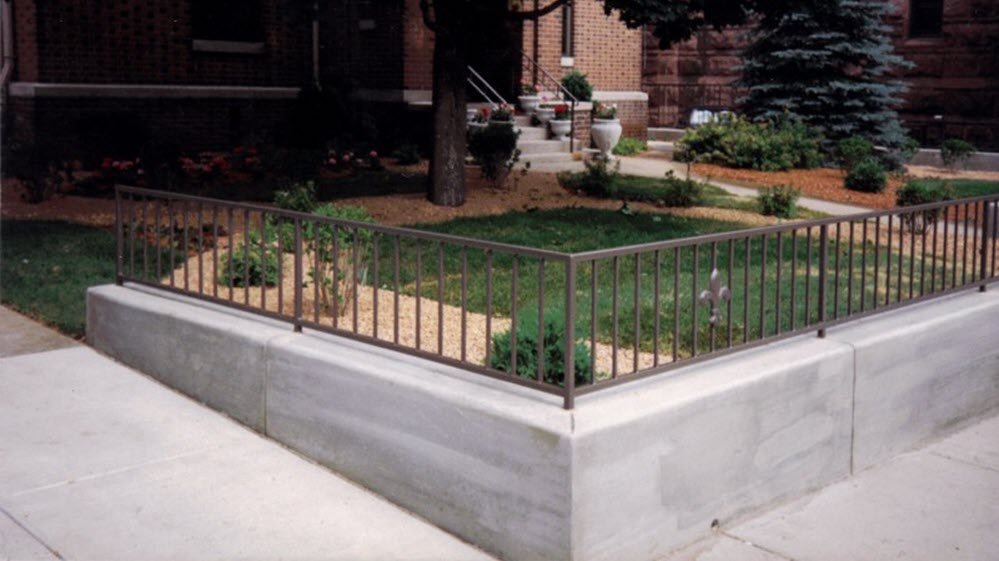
(714, 296)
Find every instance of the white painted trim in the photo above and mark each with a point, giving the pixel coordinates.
(41, 89)
(233, 47)
(568, 61)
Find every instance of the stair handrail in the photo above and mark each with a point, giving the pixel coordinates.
(566, 95)
(487, 85)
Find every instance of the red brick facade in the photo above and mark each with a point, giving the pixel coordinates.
(956, 75)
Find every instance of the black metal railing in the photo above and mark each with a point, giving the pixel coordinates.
(546, 80)
(565, 324)
(670, 105)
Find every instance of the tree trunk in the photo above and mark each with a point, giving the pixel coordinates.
(447, 164)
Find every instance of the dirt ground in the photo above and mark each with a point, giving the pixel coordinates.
(827, 184)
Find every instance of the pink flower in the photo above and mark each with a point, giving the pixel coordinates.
(373, 154)
(331, 161)
(346, 157)
(106, 163)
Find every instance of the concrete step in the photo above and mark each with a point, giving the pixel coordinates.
(522, 120)
(543, 146)
(532, 133)
(545, 158)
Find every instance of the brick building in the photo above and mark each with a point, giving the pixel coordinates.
(953, 88)
(209, 73)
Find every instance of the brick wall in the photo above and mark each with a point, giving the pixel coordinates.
(149, 41)
(361, 44)
(418, 54)
(25, 41)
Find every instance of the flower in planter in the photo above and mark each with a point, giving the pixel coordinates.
(562, 112)
(502, 113)
(528, 89)
(604, 111)
(481, 116)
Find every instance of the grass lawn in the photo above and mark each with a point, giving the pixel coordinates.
(46, 268)
(963, 188)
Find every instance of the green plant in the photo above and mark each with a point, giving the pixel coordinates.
(528, 89)
(780, 201)
(341, 252)
(597, 180)
(494, 148)
(602, 110)
(956, 152)
(853, 150)
(910, 147)
(677, 192)
(736, 142)
(553, 347)
(868, 176)
(629, 146)
(575, 83)
(921, 192)
(406, 154)
(502, 113)
(242, 266)
(299, 197)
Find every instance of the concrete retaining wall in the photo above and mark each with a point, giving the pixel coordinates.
(631, 473)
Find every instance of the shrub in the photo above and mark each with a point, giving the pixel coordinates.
(677, 192)
(406, 154)
(299, 197)
(495, 149)
(598, 180)
(527, 349)
(736, 142)
(247, 269)
(919, 193)
(853, 150)
(344, 261)
(576, 84)
(910, 147)
(780, 201)
(956, 152)
(629, 146)
(868, 176)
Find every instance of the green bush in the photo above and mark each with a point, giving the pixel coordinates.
(910, 147)
(495, 149)
(407, 154)
(780, 201)
(868, 176)
(676, 192)
(336, 252)
(299, 197)
(629, 146)
(600, 180)
(920, 193)
(956, 152)
(527, 349)
(853, 150)
(576, 84)
(738, 143)
(247, 269)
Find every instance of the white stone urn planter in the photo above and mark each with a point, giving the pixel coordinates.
(545, 114)
(606, 133)
(498, 123)
(560, 128)
(474, 126)
(470, 114)
(529, 103)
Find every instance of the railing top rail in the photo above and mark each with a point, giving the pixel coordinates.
(487, 85)
(558, 84)
(373, 226)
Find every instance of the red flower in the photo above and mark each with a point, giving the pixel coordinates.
(238, 150)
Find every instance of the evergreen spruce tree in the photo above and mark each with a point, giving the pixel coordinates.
(826, 62)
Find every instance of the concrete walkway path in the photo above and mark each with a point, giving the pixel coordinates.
(656, 167)
(940, 502)
(98, 461)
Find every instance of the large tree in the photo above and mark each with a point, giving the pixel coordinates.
(826, 62)
(457, 23)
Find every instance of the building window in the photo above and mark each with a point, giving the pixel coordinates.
(925, 18)
(567, 30)
(227, 20)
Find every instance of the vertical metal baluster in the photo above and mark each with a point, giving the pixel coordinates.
(280, 274)
(541, 320)
(201, 248)
(943, 260)
(823, 275)
(877, 261)
(395, 296)
(655, 306)
(979, 209)
(246, 257)
(298, 276)
(994, 235)
(836, 280)
(637, 295)
(440, 298)
(593, 321)
(231, 245)
(676, 304)
(888, 264)
(933, 263)
(464, 303)
(763, 286)
(794, 276)
(863, 269)
(263, 260)
(957, 234)
(808, 278)
(964, 249)
(170, 239)
(614, 327)
(187, 246)
(901, 261)
(922, 259)
(335, 290)
(745, 293)
(780, 265)
(912, 255)
(489, 306)
(849, 273)
(728, 312)
(131, 235)
(119, 235)
(375, 240)
(714, 265)
(693, 303)
(159, 240)
(215, 251)
(513, 318)
(570, 334)
(354, 275)
(318, 269)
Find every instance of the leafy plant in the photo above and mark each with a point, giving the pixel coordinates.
(603, 110)
(502, 113)
(341, 252)
(780, 201)
(853, 150)
(738, 143)
(677, 192)
(597, 180)
(299, 197)
(867, 176)
(407, 154)
(629, 146)
(921, 192)
(553, 347)
(247, 266)
(527, 89)
(956, 152)
(600, 180)
(575, 83)
(494, 148)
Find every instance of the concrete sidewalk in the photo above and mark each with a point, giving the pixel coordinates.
(98, 461)
(937, 503)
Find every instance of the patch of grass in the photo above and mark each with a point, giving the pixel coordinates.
(962, 188)
(46, 268)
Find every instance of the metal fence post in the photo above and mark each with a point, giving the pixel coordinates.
(569, 367)
(989, 232)
(823, 265)
(298, 275)
(119, 256)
